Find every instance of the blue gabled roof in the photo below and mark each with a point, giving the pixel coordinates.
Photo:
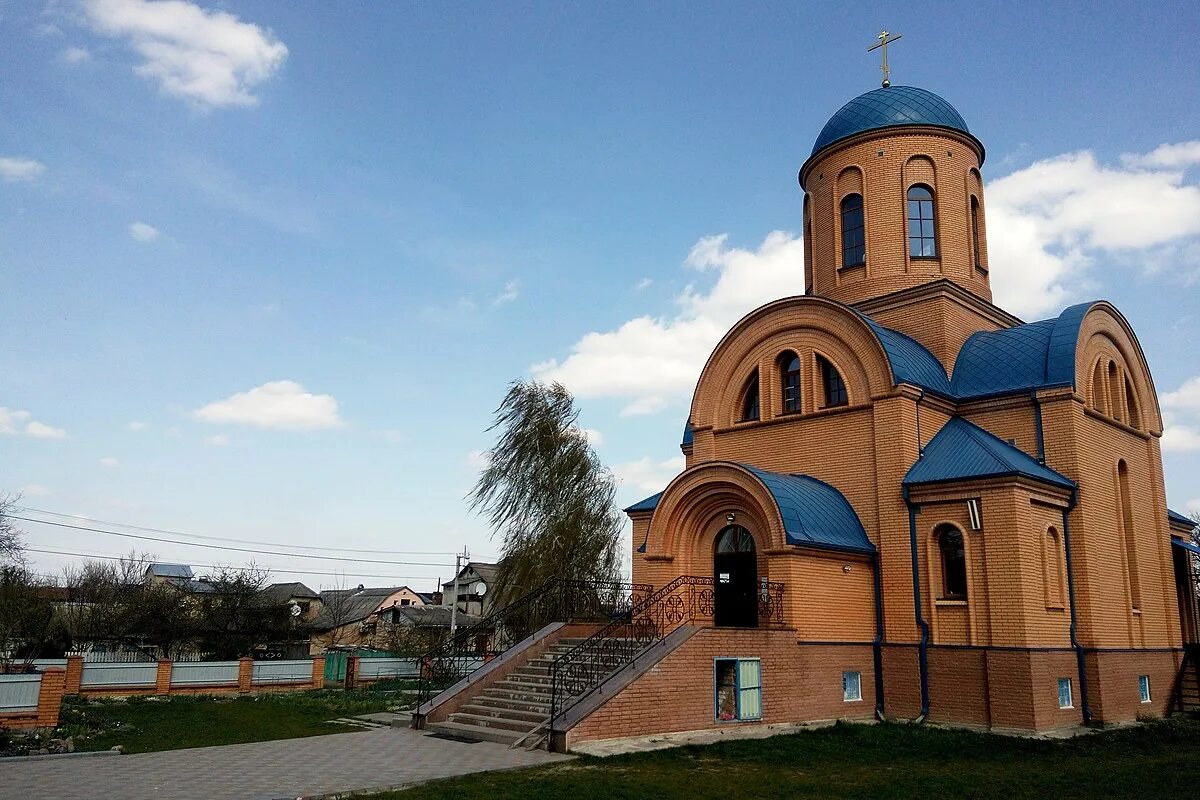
(1180, 519)
(886, 108)
(962, 451)
(649, 504)
(814, 513)
(911, 362)
(1031, 356)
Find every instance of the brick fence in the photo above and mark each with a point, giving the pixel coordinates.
(165, 677)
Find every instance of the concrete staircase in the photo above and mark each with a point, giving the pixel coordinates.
(516, 709)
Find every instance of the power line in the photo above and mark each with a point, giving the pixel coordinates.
(222, 547)
(243, 541)
(219, 566)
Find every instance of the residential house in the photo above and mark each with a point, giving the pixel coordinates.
(475, 580)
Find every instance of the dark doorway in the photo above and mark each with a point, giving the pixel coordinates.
(735, 579)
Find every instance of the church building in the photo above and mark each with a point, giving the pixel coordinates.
(900, 501)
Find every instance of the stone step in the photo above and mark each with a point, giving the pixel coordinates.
(502, 693)
(523, 715)
(521, 685)
(474, 732)
(479, 720)
(515, 704)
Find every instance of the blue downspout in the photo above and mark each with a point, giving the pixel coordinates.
(878, 654)
(1080, 662)
(923, 649)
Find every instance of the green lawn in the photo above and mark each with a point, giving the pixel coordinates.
(143, 725)
(869, 762)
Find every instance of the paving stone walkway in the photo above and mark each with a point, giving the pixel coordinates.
(290, 768)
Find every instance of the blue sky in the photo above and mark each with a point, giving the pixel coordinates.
(268, 267)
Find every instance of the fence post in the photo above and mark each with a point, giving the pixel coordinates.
(351, 671)
(74, 676)
(245, 674)
(318, 672)
(50, 695)
(162, 678)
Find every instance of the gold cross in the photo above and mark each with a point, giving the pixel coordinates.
(885, 39)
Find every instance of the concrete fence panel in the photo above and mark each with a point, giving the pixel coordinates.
(299, 671)
(102, 675)
(375, 669)
(19, 693)
(204, 673)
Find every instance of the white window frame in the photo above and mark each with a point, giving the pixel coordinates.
(856, 696)
(1070, 687)
(1144, 689)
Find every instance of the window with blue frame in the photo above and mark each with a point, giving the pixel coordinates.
(922, 233)
(1065, 700)
(738, 689)
(1144, 688)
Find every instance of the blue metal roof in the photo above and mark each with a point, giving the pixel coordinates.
(911, 362)
(962, 451)
(687, 434)
(160, 570)
(1180, 519)
(886, 108)
(649, 504)
(814, 513)
(1031, 356)
(1192, 546)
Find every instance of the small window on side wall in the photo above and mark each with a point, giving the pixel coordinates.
(851, 686)
(854, 243)
(835, 387)
(738, 685)
(922, 231)
(954, 563)
(1144, 688)
(789, 374)
(1065, 696)
(750, 403)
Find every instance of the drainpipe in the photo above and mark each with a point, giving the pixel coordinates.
(878, 649)
(923, 649)
(1079, 650)
(1037, 419)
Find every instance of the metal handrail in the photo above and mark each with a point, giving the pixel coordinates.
(617, 645)
(556, 600)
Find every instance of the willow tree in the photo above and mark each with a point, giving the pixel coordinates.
(546, 494)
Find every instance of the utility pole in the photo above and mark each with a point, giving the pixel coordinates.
(459, 558)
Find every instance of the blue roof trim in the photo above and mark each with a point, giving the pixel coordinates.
(649, 504)
(886, 108)
(911, 362)
(1027, 357)
(814, 513)
(687, 434)
(962, 451)
(1180, 519)
(1192, 546)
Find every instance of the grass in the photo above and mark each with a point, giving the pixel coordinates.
(145, 725)
(875, 762)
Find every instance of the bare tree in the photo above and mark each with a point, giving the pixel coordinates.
(11, 551)
(235, 617)
(27, 618)
(547, 495)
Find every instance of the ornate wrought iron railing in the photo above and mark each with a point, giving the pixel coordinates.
(556, 600)
(687, 600)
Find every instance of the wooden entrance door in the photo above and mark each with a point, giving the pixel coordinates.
(735, 579)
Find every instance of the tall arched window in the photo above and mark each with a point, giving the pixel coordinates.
(835, 387)
(922, 234)
(1116, 409)
(1127, 534)
(1132, 418)
(854, 242)
(750, 399)
(1099, 389)
(954, 563)
(789, 379)
(976, 250)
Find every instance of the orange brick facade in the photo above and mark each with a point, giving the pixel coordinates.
(1061, 584)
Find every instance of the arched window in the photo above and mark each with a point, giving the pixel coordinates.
(954, 563)
(835, 387)
(750, 399)
(1132, 418)
(854, 242)
(1115, 407)
(1099, 389)
(977, 251)
(1127, 534)
(922, 235)
(735, 539)
(789, 379)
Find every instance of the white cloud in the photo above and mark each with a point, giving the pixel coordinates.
(1048, 222)
(14, 169)
(141, 232)
(644, 283)
(512, 290)
(647, 475)
(1181, 417)
(14, 422)
(282, 405)
(210, 58)
(593, 436)
(1192, 506)
(136, 426)
(75, 55)
(651, 361)
(34, 490)
(218, 440)
(108, 462)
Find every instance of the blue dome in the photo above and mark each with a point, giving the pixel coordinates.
(886, 108)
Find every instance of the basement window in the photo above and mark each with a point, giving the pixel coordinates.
(1144, 688)
(851, 686)
(738, 689)
(1065, 699)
